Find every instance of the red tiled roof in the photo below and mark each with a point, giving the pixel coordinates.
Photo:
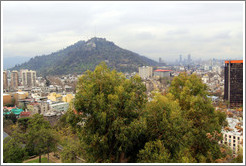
(161, 70)
(25, 113)
(9, 108)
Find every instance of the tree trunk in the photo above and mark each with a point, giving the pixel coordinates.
(48, 157)
(48, 154)
(122, 158)
(39, 158)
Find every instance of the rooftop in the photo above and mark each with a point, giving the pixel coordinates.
(234, 61)
(161, 70)
(232, 123)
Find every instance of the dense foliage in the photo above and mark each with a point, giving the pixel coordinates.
(183, 123)
(40, 138)
(11, 117)
(83, 55)
(112, 106)
(13, 151)
(32, 136)
(120, 125)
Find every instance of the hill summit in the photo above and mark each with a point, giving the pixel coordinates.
(86, 55)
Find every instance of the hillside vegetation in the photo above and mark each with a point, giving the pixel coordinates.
(86, 55)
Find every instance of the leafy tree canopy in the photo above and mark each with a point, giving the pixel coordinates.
(13, 152)
(112, 106)
(40, 137)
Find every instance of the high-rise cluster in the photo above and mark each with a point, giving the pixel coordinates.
(13, 79)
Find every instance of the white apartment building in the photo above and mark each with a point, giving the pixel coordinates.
(145, 72)
(234, 136)
(59, 107)
(28, 78)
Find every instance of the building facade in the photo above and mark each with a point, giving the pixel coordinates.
(28, 78)
(233, 135)
(14, 80)
(59, 107)
(5, 80)
(145, 72)
(233, 86)
(162, 73)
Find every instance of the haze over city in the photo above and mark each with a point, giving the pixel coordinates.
(153, 29)
(123, 82)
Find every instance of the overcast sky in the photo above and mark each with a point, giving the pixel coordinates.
(152, 29)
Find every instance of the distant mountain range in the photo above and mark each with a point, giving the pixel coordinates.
(86, 55)
(9, 62)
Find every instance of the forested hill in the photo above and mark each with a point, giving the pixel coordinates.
(86, 55)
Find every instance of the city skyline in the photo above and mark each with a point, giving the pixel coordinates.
(204, 30)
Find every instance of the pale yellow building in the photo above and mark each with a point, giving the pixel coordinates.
(54, 97)
(67, 98)
(22, 95)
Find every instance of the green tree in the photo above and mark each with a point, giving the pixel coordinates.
(13, 152)
(47, 81)
(166, 130)
(23, 123)
(239, 157)
(111, 107)
(153, 152)
(40, 137)
(197, 109)
(11, 117)
(70, 151)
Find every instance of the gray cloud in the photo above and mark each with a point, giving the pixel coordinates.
(154, 29)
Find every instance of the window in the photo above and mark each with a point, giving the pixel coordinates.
(234, 141)
(230, 140)
(229, 136)
(238, 138)
(234, 137)
(234, 146)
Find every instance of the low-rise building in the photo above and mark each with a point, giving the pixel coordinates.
(67, 98)
(54, 97)
(25, 114)
(162, 73)
(22, 95)
(233, 134)
(34, 108)
(7, 99)
(59, 107)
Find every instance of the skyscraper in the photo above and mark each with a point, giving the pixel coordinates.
(5, 80)
(28, 78)
(233, 86)
(180, 58)
(14, 80)
(189, 58)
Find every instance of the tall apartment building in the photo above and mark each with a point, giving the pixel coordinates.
(145, 72)
(233, 86)
(28, 78)
(5, 80)
(14, 79)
